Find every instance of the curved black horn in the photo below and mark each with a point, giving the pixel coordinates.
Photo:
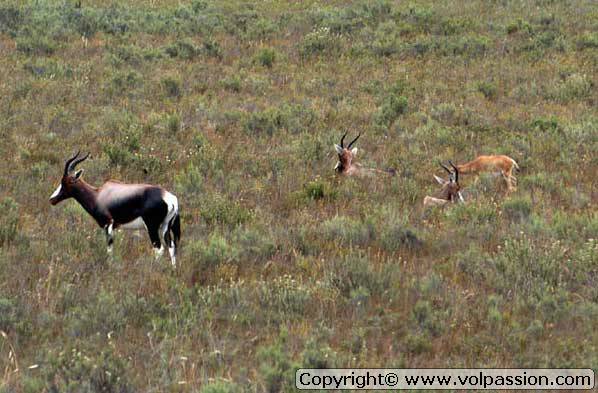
(353, 141)
(68, 163)
(456, 171)
(76, 161)
(445, 168)
(343, 140)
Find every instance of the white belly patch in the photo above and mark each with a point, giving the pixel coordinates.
(137, 223)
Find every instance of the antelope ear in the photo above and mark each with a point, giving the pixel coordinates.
(440, 180)
(78, 174)
(338, 149)
(354, 151)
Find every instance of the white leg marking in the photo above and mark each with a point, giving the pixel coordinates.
(159, 252)
(173, 209)
(56, 192)
(172, 254)
(109, 238)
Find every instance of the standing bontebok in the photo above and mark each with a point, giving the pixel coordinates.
(129, 206)
(497, 164)
(451, 190)
(346, 166)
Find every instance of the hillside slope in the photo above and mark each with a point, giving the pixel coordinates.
(235, 106)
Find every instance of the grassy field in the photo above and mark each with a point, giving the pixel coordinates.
(234, 106)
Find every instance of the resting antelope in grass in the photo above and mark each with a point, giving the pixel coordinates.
(451, 190)
(345, 165)
(497, 164)
(129, 206)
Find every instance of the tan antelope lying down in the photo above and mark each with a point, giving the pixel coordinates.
(345, 165)
(502, 165)
(451, 190)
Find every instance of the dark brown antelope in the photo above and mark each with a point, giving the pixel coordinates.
(502, 165)
(451, 190)
(129, 206)
(345, 165)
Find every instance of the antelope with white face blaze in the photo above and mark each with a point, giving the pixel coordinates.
(345, 165)
(451, 190)
(503, 165)
(129, 206)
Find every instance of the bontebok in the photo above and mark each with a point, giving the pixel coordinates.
(451, 190)
(129, 206)
(346, 166)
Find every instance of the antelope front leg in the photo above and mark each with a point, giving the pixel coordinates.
(109, 238)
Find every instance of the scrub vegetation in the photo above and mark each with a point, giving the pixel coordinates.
(234, 106)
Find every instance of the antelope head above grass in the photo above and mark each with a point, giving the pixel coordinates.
(129, 206)
(451, 190)
(346, 165)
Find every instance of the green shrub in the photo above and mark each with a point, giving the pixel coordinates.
(348, 231)
(173, 123)
(427, 319)
(9, 221)
(36, 43)
(13, 319)
(319, 41)
(356, 273)
(588, 40)
(212, 49)
(293, 118)
(217, 251)
(517, 208)
(488, 89)
(266, 57)
(277, 369)
(318, 354)
(48, 68)
(386, 40)
(232, 84)
(398, 236)
(392, 107)
(319, 189)
(285, 299)
(184, 49)
(77, 370)
(574, 87)
(172, 87)
(221, 387)
(418, 343)
(219, 210)
(133, 55)
(452, 26)
(546, 124)
(122, 82)
(262, 29)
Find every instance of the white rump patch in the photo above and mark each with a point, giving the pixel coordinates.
(55, 194)
(137, 223)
